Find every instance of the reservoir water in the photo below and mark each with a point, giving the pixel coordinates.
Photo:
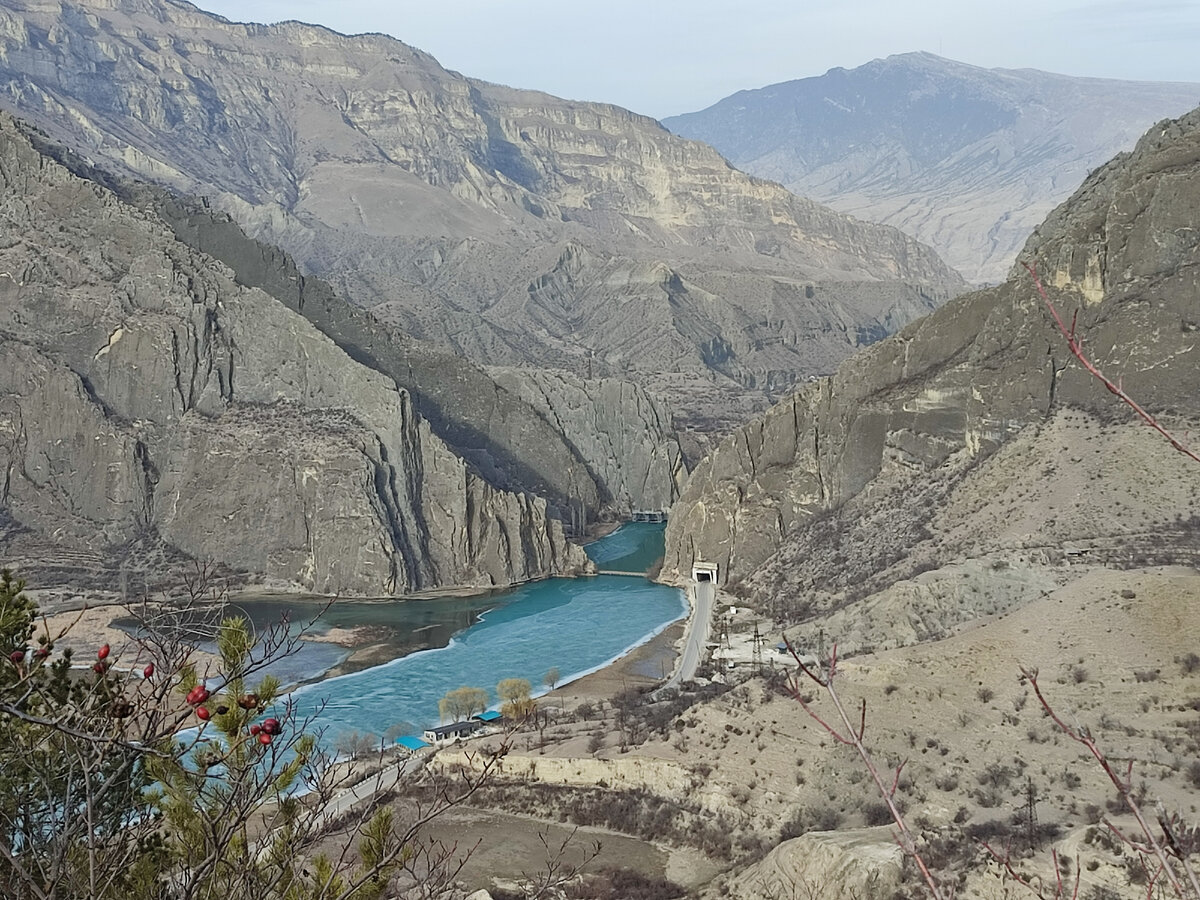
(576, 625)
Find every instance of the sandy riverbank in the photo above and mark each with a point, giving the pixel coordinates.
(644, 666)
(84, 631)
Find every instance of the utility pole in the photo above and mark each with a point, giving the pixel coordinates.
(1031, 820)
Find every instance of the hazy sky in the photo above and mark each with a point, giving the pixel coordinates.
(662, 57)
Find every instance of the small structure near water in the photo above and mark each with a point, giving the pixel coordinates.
(657, 516)
(455, 731)
(410, 744)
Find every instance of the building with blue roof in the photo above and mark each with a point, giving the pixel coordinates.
(410, 743)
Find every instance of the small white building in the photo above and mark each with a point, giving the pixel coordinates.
(455, 731)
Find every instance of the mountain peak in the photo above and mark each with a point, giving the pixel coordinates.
(967, 159)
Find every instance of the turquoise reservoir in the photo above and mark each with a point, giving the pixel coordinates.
(576, 625)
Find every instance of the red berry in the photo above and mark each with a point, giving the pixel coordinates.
(198, 694)
(102, 653)
(100, 668)
(17, 656)
(271, 726)
(148, 671)
(41, 652)
(264, 738)
(255, 729)
(202, 713)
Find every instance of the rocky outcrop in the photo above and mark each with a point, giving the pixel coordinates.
(514, 445)
(826, 865)
(848, 474)
(509, 226)
(614, 424)
(618, 453)
(144, 394)
(967, 159)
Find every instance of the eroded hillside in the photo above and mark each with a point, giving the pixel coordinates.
(861, 465)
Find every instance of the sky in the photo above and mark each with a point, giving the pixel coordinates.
(664, 57)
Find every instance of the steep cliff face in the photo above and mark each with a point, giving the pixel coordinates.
(147, 396)
(858, 476)
(510, 226)
(615, 425)
(967, 159)
(515, 446)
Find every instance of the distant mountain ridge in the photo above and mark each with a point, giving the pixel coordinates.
(966, 159)
(509, 226)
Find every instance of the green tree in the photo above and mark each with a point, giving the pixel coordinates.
(142, 781)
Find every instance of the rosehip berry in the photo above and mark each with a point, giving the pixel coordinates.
(222, 709)
(17, 656)
(100, 668)
(102, 653)
(271, 726)
(148, 671)
(41, 652)
(264, 738)
(255, 729)
(198, 694)
(202, 713)
(248, 701)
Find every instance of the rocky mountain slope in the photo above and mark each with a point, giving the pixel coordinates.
(563, 454)
(958, 503)
(973, 431)
(151, 407)
(968, 160)
(509, 226)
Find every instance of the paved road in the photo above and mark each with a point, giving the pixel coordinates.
(702, 595)
(369, 787)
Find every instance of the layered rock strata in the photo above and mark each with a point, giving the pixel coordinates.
(147, 395)
(509, 226)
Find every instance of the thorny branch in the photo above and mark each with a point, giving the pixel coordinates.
(1075, 345)
(1153, 846)
(853, 737)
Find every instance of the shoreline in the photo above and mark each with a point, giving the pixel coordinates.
(640, 667)
(644, 664)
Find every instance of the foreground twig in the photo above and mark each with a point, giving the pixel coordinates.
(851, 734)
(1174, 867)
(1034, 884)
(1075, 345)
